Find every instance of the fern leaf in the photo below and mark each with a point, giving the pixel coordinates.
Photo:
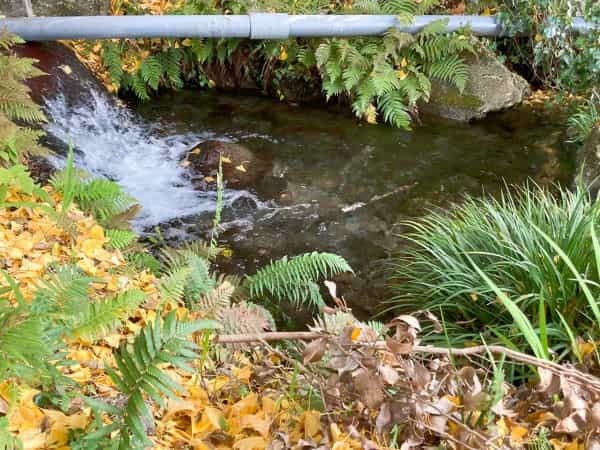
(111, 57)
(404, 9)
(120, 239)
(104, 316)
(212, 304)
(158, 343)
(172, 286)
(295, 278)
(434, 27)
(394, 110)
(65, 292)
(452, 69)
(151, 71)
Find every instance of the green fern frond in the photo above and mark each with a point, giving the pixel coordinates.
(394, 109)
(142, 260)
(103, 316)
(212, 304)
(111, 57)
(138, 86)
(367, 7)
(199, 281)
(172, 286)
(151, 71)
(102, 198)
(161, 342)
(434, 27)
(295, 278)
(404, 9)
(65, 292)
(7, 440)
(171, 64)
(7, 40)
(452, 69)
(120, 239)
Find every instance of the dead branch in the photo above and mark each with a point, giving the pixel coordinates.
(269, 336)
(573, 374)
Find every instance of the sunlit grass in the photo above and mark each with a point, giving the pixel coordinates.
(522, 270)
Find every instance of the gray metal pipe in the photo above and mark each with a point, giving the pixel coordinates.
(254, 26)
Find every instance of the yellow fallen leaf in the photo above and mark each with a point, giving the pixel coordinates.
(283, 55)
(401, 74)
(240, 168)
(371, 114)
(586, 348)
(312, 423)
(247, 405)
(404, 62)
(242, 374)
(355, 335)
(518, 433)
(97, 232)
(255, 422)
(209, 179)
(89, 246)
(251, 443)
(212, 419)
(225, 159)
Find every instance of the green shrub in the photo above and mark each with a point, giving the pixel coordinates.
(536, 247)
(379, 76)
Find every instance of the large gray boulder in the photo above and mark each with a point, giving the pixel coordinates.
(16, 8)
(490, 87)
(588, 164)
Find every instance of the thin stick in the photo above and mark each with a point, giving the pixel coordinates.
(557, 369)
(270, 336)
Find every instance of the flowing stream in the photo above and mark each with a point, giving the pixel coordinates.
(333, 184)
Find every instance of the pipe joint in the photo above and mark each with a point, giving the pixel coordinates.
(269, 26)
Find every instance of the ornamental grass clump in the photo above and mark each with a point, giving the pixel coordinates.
(537, 247)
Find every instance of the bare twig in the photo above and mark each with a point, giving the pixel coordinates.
(270, 336)
(573, 374)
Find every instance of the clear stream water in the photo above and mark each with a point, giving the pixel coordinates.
(334, 185)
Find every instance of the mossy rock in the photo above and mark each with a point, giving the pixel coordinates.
(490, 87)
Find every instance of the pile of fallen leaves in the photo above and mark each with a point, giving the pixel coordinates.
(357, 388)
(240, 401)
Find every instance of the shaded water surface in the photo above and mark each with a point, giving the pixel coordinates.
(335, 185)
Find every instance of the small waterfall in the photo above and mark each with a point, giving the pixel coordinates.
(111, 141)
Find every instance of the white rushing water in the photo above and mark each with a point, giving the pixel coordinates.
(111, 141)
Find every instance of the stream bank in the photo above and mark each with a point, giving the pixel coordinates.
(325, 183)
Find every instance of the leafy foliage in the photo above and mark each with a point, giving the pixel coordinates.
(100, 197)
(161, 342)
(295, 279)
(541, 40)
(581, 123)
(530, 246)
(16, 142)
(379, 76)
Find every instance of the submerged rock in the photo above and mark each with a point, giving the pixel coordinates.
(490, 87)
(241, 167)
(15, 8)
(588, 162)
